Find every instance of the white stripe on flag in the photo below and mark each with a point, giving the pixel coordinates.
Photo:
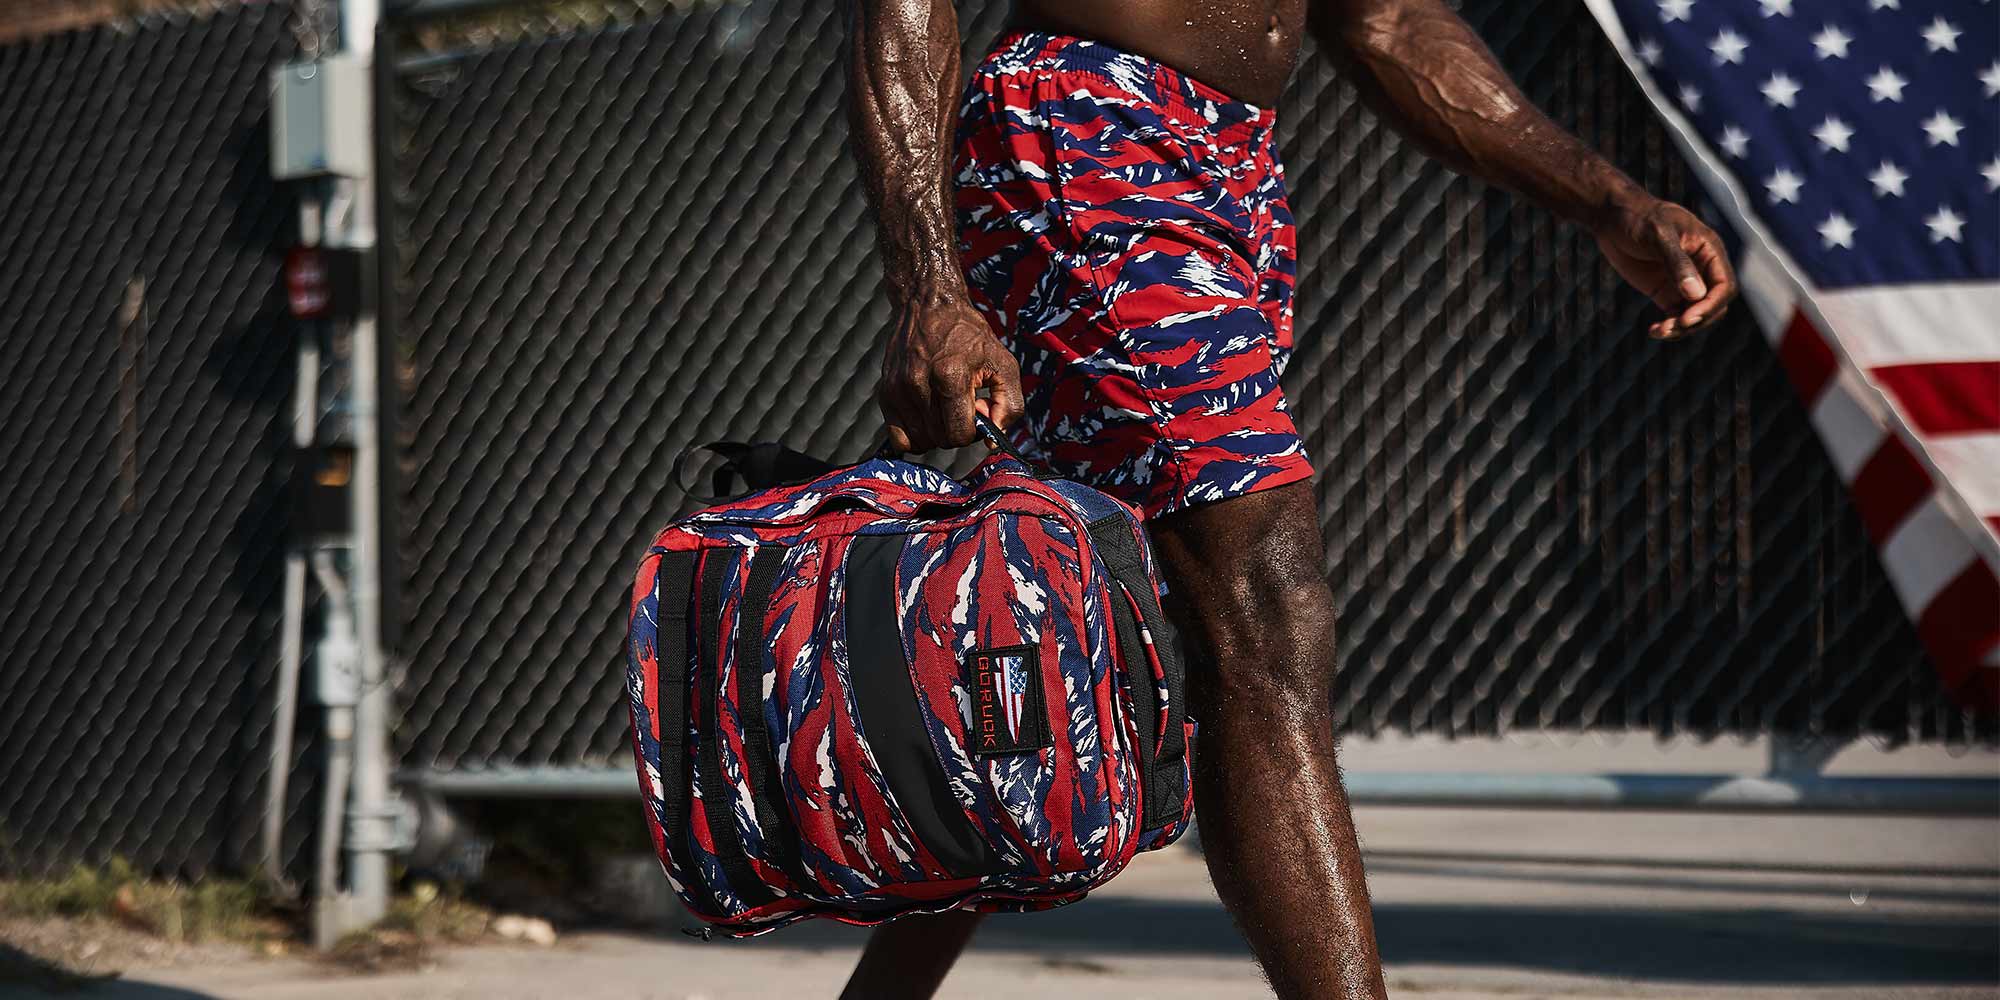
(1769, 291)
(1971, 462)
(1910, 324)
(1847, 423)
(1927, 550)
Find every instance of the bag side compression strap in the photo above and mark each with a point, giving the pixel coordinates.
(774, 819)
(1117, 544)
(717, 797)
(676, 582)
(1145, 697)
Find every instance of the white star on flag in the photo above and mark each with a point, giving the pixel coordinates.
(1728, 47)
(1991, 79)
(1944, 225)
(1690, 97)
(1884, 4)
(1991, 172)
(1784, 186)
(1833, 134)
(1675, 10)
(1888, 180)
(1942, 129)
(1836, 231)
(1776, 8)
(1649, 52)
(1781, 90)
(1831, 43)
(1735, 141)
(1941, 35)
(1885, 85)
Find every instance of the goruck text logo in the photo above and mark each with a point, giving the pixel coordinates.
(1008, 712)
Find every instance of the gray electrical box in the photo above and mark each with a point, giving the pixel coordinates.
(319, 119)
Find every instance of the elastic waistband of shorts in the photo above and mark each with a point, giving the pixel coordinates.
(1140, 76)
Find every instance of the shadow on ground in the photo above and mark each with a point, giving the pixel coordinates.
(1749, 947)
(24, 975)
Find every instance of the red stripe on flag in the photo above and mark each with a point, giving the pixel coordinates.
(1806, 357)
(1946, 397)
(1959, 627)
(1888, 486)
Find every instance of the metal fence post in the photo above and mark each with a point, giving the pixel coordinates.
(371, 833)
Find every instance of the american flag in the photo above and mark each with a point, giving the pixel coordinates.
(1013, 684)
(1855, 147)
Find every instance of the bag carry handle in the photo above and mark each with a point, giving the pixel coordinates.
(766, 464)
(995, 438)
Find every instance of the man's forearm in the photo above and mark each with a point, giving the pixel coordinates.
(903, 68)
(1419, 65)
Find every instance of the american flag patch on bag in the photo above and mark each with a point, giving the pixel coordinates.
(1007, 694)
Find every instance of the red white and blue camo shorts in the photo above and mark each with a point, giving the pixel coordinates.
(1125, 231)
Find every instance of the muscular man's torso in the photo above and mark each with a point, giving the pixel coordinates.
(1245, 48)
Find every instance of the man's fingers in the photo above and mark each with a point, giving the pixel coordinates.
(1713, 318)
(1006, 408)
(905, 414)
(1720, 282)
(1003, 402)
(952, 411)
(1686, 277)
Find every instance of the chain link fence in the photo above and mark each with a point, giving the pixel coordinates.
(612, 235)
(143, 433)
(621, 238)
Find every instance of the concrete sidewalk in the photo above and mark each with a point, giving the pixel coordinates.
(1469, 903)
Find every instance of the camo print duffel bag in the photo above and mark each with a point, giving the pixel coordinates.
(878, 690)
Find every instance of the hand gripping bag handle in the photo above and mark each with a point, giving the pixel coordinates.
(996, 439)
(766, 464)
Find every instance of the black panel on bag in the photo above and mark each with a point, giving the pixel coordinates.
(886, 700)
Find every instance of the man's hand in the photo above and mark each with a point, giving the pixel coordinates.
(1662, 250)
(939, 357)
(1419, 66)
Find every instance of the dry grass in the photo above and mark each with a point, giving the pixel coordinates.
(415, 925)
(214, 909)
(93, 922)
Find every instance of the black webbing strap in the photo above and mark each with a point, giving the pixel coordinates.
(1117, 543)
(1145, 695)
(767, 791)
(718, 799)
(676, 582)
(676, 587)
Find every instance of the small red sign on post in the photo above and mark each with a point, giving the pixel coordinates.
(307, 287)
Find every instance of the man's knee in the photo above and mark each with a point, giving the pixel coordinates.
(1248, 586)
(1272, 626)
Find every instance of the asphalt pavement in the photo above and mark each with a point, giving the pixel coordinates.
(1468, 903)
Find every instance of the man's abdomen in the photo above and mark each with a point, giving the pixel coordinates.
(1244, 48)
